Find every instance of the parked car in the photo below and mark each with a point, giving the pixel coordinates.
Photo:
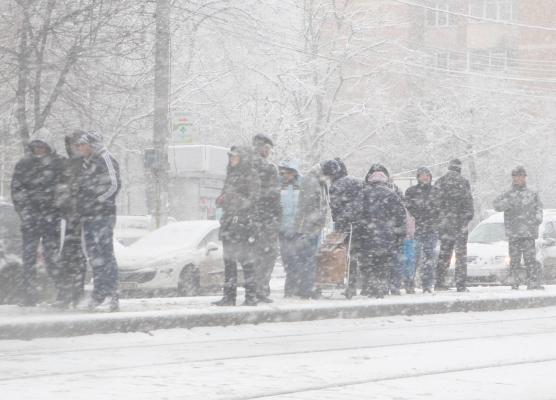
(488, 260)
(183, 258)
(131, 228)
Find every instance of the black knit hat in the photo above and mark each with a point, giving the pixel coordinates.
(424, 171)
(262, 139)
(519, 171)
(378, 168)
(455, 165)
(330, 167)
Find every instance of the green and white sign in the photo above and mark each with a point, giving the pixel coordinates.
(182, 128)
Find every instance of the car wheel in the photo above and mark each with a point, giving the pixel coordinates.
(190, 282)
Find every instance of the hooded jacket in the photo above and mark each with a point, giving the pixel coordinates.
(313, 203)
(455, 203)
(422, 203)
(98, 183)
(289, 199)
(523, 212)
(238, 200)
(382, 220)
(345, 199)
(35, 182)
(268, 207)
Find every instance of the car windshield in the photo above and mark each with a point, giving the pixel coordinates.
(488, 233)
(171, 236)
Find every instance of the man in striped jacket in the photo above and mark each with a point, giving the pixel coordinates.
(99, 184)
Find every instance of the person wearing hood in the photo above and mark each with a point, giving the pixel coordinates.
(422, 203)
(268, 213)
(455, 210)
(238, 230)
(397, 270)
(34, 187)
(523, 213)
(310, 221)
(73, 262)
(345, 200)
(382, 228)
(290, 183)
(97, 188)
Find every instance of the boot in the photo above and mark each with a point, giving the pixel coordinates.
(114, 305)
(250, 302)
(263, 299)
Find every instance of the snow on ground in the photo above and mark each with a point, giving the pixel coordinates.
(503, 355)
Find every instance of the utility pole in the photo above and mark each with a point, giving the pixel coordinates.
(161, 110)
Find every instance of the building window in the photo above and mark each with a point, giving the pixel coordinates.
(438, 16)
(488, 60)
(500, 10)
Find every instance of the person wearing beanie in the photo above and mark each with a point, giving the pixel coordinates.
(345, 201)
(34, 187)
(422, 203)
(268, 211)
(455, 211)
(381, 226)
(523, 213)
(98, 187)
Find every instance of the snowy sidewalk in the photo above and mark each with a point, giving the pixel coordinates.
(162, 313)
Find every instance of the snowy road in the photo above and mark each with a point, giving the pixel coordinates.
(504, 355)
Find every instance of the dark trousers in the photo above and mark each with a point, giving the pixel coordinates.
(524, 247)
(37, 230)
(376, 268)
(233, 254)
(73, 266)
(265, 259)
(450, 243)
(288, 254)
(426, 258)
(396, 273)
(98, 234)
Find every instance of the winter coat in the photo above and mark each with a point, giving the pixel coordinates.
(381, 224)
(268, 206)
(35, 184)
(313, 204)
(345, 198)
(289, 196)
(422, 203)
(523, 212)
(98, 185)
(455, 203)
(238, 201)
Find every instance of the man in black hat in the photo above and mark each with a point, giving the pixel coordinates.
(523, 214)
(456, 210)
(268, 211)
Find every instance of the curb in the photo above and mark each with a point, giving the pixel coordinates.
(152, 320)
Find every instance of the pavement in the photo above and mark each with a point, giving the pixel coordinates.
(144, 315)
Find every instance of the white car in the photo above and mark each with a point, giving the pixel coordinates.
(131, 228)
(488, 260)
(182, 258)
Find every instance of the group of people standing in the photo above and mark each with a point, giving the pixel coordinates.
(270, 210)
(67, 207)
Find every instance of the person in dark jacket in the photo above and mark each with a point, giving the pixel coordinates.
(523, 213)
(34, 186)
(396, 273)
(455, 202)
(422, 203)
(238, 230)
(268, 214)
(345, 198)
(290, 181)
(98, 187)
(382, 226)
(73, 262)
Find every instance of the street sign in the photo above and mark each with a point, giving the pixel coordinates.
(182, 128)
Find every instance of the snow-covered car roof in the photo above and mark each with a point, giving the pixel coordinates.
(499, 217)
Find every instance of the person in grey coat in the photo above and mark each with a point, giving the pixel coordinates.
(523, 213)
(310, 221)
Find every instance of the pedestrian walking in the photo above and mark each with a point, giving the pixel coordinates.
(345, 199)
(268, 213)
(73, 262)
(523, 213)
(382, 224)
(455, 202)
(422, 203)
(311, 219)
(34, 186)
(98, 186)
(238, 228)
(290, 182)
